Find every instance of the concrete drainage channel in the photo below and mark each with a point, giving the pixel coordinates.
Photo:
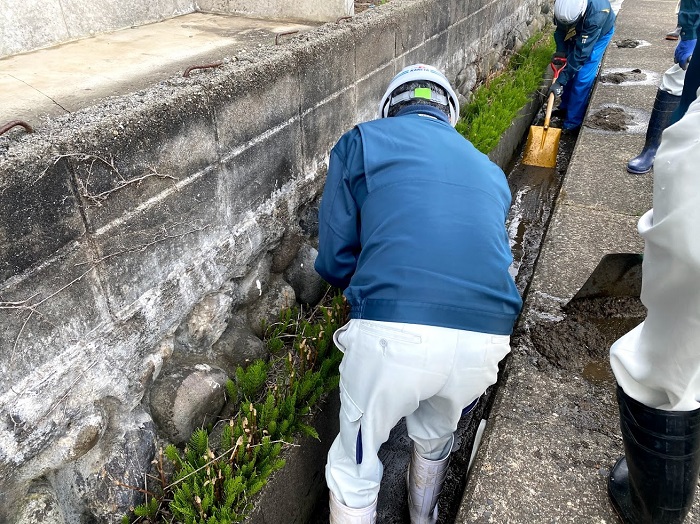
(298, 493)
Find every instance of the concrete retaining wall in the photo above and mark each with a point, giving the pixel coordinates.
(28, 25)
(315, 10)
(143, 240)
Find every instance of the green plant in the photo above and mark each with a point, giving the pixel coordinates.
(213, 483)
(252, 379)
(497, 102)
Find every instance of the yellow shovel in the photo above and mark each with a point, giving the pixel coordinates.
(543, 141)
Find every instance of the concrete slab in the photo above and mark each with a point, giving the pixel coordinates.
(324, 11)
(577, 239)
(547, 453)
(597, 175)
(35, 24)
(68, 77)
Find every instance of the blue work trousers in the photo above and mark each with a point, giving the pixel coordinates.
(578, 89)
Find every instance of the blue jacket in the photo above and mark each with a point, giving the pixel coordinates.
(577, 40)
(689, 19)
(412, 226)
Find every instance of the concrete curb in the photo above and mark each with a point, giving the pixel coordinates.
(292, 492)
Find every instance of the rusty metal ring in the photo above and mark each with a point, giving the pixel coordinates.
(13, 123)
(205, 66)
(277, 36)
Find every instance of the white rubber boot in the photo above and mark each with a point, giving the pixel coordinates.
(425, 479)
(341, 514)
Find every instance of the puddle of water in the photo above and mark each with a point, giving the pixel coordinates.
(534, 190)
(598, 372)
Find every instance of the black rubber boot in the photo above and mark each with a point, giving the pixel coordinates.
(654, 483)
(664, 105)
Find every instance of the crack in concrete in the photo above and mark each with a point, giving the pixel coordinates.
(39, 91)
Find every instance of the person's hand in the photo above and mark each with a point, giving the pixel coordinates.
(558, 59)
(557, 89)
(684, 50)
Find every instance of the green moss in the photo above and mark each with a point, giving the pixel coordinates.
(497, 102)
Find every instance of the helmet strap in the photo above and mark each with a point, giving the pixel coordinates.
(420, 92)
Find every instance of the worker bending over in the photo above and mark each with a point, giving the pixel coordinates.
(584, 29)
(412, 228)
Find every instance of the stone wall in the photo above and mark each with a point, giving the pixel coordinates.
(143, 240)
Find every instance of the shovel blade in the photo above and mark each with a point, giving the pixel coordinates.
(542, 146)
(616, 275)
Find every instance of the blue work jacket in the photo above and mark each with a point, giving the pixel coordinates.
(577, 40)
(412, 226)
(689, 18)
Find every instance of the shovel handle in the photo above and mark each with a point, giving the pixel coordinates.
(548, 114)
(557, 65)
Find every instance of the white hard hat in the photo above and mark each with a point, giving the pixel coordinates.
(416, 73)
(569, 11)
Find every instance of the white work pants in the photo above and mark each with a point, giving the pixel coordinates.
(390, 370)
(673, 79)
(658, 363)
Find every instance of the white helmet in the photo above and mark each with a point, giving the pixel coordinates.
(416, 73)
(569, 11)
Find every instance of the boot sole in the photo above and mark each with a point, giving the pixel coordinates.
(613, 493)
(631, 171)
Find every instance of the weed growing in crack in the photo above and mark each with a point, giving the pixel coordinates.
(213, 480)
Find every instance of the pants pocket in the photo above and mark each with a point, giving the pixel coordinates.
(338, 334)
(387, 330)
(350, 425)
(498, 348)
